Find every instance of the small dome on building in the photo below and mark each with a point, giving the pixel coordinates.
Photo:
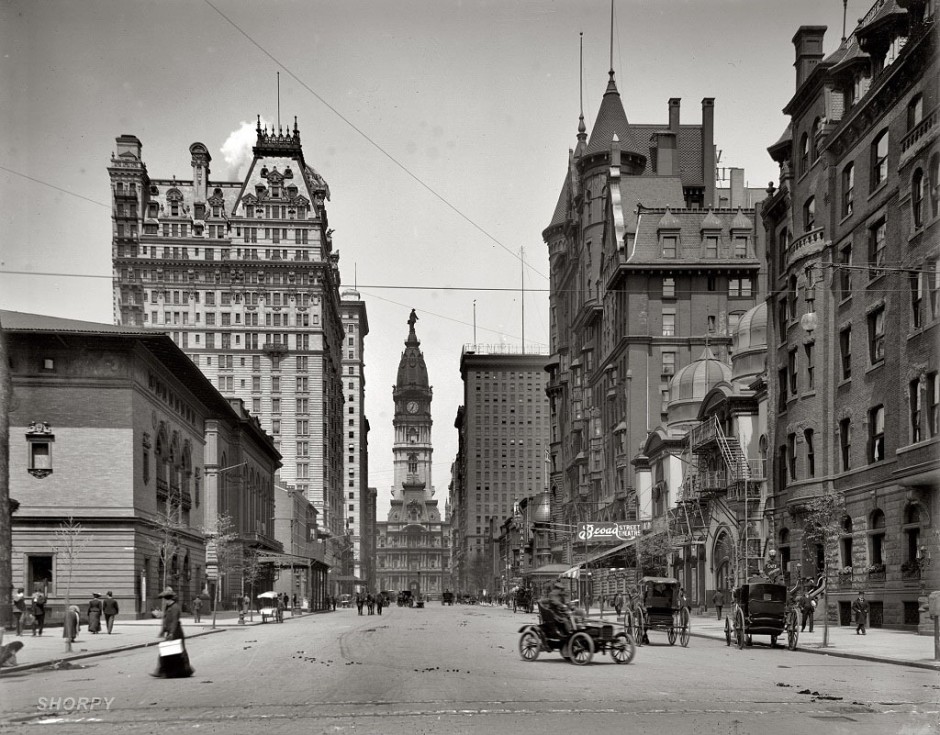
(698, 377)
(543, 511)
(669, 221)
(711, 222)
(750, 344)
(741, 221)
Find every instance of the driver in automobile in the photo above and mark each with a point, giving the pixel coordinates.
(556, 605)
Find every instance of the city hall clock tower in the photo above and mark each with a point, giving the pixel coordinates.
(412, 448)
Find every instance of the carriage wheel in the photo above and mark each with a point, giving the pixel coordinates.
(529, 645)
(581, 649)
(639, 626)
(739, 637)
(684, 633)
(623, 649)
(671, 635)
(793, 631)
(727, 632)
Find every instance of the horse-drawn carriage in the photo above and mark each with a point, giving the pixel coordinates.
(762, 608)
(577, 641)
(657, 605)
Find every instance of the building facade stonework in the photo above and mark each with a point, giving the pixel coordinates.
(244, 277)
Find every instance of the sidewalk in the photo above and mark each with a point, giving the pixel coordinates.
(880, 644)
(49, 648)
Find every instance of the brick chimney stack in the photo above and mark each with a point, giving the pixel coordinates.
(808, 43)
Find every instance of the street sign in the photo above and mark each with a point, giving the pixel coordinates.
(611, 531)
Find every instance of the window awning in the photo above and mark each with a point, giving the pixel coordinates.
(598, 556)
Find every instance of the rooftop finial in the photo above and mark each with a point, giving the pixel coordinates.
(582, 130)
(611, 40)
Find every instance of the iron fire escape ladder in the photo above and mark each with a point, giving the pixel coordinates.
(733, 454)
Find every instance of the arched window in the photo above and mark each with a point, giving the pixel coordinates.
(876, 536)
(879, 160)
(809, 214)
(804, 154)
(917, 198)
(845, 543)
(817, 139)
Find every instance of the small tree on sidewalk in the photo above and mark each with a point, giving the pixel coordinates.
(221, 549)
(822, 524)
(252, 572)
(69, 544)
(167, 543)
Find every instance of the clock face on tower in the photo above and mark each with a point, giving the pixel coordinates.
(412, 407)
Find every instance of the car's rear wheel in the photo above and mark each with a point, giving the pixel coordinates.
(623, 649)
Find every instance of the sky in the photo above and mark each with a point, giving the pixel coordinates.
(441, 127)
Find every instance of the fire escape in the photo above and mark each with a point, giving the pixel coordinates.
(724, 484)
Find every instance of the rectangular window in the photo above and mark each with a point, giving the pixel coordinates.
(669, 363)
(669, 321)
(39, 573)
(876, 434)
(933, 404)
(669, 288)
(275, 405)
(670, 246)
(791, 455)
(917, 300)
(845, 352)
(876, 335)
(740, 247)
(782, 390)
(810, 453)
(848, 189)
(792, 370)
(879, 160)
(809, 351)
(845, 270)
(845, 443)
(916, 409)
(711, 246)
(876, 246)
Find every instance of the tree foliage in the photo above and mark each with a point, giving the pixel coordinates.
(69, 543)
(822, 520)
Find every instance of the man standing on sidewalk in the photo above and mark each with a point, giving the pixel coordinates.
(718, 600)
(109, 607)
(860, 613)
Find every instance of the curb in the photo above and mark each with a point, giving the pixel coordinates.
(92, 654)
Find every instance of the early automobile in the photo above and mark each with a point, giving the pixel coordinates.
(577, 641)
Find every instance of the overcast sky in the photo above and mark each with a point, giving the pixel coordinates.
(442, 128)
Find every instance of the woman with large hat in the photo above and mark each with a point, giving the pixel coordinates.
(174, 665)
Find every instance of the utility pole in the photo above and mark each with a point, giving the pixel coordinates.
(6, 511)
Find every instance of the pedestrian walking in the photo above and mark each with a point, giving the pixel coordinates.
(197, 609)
(174, 665)
(72, 624)
(380, 602)
(359, 603)
(718, 600)
(860, 613)
(807, 608)
(19, 610)
(370, 604)
(38, 611)
(110, 609)
(618, 603)
(94, 613)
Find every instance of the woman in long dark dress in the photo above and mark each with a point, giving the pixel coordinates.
(94, 613)
(174, 666)
(71, 625)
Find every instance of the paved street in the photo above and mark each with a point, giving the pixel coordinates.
(456, 670)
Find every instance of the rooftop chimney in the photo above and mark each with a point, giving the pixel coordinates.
(808, 43)
(674, 114)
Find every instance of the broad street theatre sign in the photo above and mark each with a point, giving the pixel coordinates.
(611, 531)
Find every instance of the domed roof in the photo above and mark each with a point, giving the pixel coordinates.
(750, 344)
(669, 221)
(698, 377)
(711, 222)
(751, 333)
(741, 221)
(543, 511)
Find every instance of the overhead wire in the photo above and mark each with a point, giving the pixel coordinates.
(366, 137)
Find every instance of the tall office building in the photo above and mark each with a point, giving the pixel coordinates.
(244, 278)
(504, 439)
(356, 456)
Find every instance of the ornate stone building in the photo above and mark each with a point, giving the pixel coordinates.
(854, 349)
(413, 545)
(244, 278)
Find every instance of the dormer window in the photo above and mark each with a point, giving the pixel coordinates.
(670, 246)
(711, 246)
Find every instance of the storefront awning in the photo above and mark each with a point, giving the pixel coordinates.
(600, 555)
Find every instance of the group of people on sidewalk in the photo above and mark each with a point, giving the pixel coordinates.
(31, 612)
